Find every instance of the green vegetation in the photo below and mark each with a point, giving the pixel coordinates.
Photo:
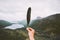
(4, 23)
(46, 29)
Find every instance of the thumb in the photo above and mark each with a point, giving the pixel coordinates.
(28, 29)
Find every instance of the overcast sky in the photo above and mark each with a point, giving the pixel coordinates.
(15, 10)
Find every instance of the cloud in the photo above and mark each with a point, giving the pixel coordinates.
(14, 26)
(14, 10)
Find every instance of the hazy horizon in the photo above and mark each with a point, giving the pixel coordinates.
(16, 10)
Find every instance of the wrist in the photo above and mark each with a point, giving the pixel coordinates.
(31, 38)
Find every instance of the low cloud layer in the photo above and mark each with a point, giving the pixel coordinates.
(14, 10)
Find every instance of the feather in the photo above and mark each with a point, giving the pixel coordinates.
(28, 15)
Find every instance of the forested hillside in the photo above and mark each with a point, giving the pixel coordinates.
(46, 29)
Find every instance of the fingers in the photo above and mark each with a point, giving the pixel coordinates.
(30, 29)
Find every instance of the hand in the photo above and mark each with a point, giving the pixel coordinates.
(31, 33)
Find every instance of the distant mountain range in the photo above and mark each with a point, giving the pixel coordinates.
(49, 25)
(47, 28)
(4, 23)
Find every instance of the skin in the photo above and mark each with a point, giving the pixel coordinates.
(31, 33)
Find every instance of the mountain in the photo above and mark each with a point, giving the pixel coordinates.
(46, 29)
(4, 23)
(23, 22)
(48, 26)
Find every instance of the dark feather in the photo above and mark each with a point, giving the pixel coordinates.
(28, 15)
